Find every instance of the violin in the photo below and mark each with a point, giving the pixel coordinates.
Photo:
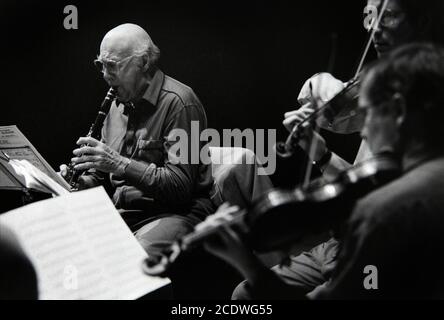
(280, 218)
(339, 115)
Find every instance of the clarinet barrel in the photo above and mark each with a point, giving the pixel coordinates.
(94, 132)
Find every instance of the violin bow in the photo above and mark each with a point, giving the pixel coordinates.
(316, 128)
(319, 104)
(374, 27)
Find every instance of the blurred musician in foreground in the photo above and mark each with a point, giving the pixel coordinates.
(394, 242)
(160, 199)
(18, 278)
(403, 21)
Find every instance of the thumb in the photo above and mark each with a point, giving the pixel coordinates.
(63, 170)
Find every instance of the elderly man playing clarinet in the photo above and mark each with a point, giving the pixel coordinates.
(160, 200)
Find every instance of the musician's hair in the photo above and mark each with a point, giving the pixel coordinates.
(427, 18)
(152, 51)
(416, 73)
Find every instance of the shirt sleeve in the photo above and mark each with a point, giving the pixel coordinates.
(174, 182)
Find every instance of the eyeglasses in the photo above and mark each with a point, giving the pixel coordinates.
(390, 19)
(112, 66)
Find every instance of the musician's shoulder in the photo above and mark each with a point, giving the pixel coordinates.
(178, 90)
(406, 194)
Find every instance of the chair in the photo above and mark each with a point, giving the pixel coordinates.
(236, 181)
(235, 176)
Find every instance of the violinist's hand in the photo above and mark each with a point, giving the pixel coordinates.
(320, 88)
(294, 118)
(99, 156)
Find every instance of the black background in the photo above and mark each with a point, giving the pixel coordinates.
(246, 60)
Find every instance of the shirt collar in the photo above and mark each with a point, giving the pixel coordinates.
(152, 92)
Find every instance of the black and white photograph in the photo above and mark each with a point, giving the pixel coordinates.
(223, 156)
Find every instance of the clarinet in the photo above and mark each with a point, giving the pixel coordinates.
(94, 132)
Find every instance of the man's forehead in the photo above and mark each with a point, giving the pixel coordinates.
(114, 50)
(108, 55)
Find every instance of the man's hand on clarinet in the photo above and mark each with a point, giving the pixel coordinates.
(64, 171)
(96, 155)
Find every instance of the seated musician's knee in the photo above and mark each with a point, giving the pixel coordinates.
(162, 232)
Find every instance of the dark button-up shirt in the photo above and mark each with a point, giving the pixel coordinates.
(399, 230)
(152, 182)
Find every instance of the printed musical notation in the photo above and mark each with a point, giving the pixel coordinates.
(81, 248)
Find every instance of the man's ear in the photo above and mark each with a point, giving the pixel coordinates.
(145, 63)
(399, 109)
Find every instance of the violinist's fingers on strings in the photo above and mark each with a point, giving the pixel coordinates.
(291, 114)
(224, 206)
(306, 109)
(290, 122)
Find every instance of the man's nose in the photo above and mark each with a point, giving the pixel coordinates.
(108, 77)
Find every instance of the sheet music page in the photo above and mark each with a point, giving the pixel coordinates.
(81, 248)
(17, 146)
(35, 178)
